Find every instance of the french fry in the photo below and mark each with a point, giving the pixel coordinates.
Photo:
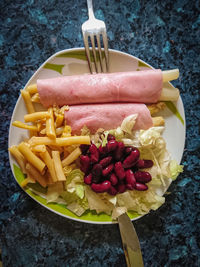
(70, 149)
(73, 140)
(19, 157)
(50, 129)
(50, 164)
(66, 152)
(62, 141)
(59, 130)
(67, 131)
(39, 126)
(33, 141)
(27, 100)
(59, 120)
(72, 157)
(29, 106)
(38, 148)
(22, 125)
(31, 157)
(36, 116)
(27, 180)
(58, 166)
(32, 89)
(35, 98)
(36, 174)
(49, 179)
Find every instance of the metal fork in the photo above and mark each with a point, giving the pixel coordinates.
(94, 29)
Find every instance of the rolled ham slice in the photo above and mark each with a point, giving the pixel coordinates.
(106, 116)
(136, 86)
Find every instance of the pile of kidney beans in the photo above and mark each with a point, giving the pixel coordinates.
(114, 168)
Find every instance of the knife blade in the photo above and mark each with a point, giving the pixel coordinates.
(130, 241)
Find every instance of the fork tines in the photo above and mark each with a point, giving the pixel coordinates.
(96, 55)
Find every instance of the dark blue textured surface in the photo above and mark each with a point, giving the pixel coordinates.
(166, 34)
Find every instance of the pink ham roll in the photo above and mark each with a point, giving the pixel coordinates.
(136, 86)
(106, 116)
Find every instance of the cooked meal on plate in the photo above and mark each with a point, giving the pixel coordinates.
(98, 145)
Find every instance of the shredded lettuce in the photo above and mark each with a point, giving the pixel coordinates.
(76, 208)
(128, 123)
(54, 191)
(175, 169)
(85, 130)
(79, 189)
(141, 202)
(149, 137)
(98, 202)
(104, 140)
(74, 193)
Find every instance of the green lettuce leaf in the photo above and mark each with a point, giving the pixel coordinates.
(175, 169)
(98, 202)
(74, 193)
(54, 191)
(149, 137)
(128, 123)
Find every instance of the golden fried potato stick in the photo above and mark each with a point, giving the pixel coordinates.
(58, 166)
(33, 172)
(31, 157)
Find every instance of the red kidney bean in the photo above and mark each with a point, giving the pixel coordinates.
(103, 150)
(85, 163)
(119, 151)
(144, 163)
(131, 160)
(88, 179)
(128, 150)
(134, 169)
(96, 173)
(119, 170)
(112, 190)
(129, 187)
(84, 149)
(94, 153)
(110, 137)
(140, 163)
(100, 188)
(142, 177)
(141, 187)
(113, 179)
(130, 178)
(121, 188)
(105, 161)
(112, 145)
(106, 171)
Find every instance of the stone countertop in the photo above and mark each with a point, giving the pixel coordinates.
(166, 34)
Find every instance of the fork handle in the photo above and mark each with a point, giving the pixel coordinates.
(90, 9)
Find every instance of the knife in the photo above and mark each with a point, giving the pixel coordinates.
(130, 242)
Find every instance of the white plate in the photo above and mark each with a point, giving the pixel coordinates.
(71, 62)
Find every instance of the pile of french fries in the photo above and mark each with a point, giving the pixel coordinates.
(51, 146)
